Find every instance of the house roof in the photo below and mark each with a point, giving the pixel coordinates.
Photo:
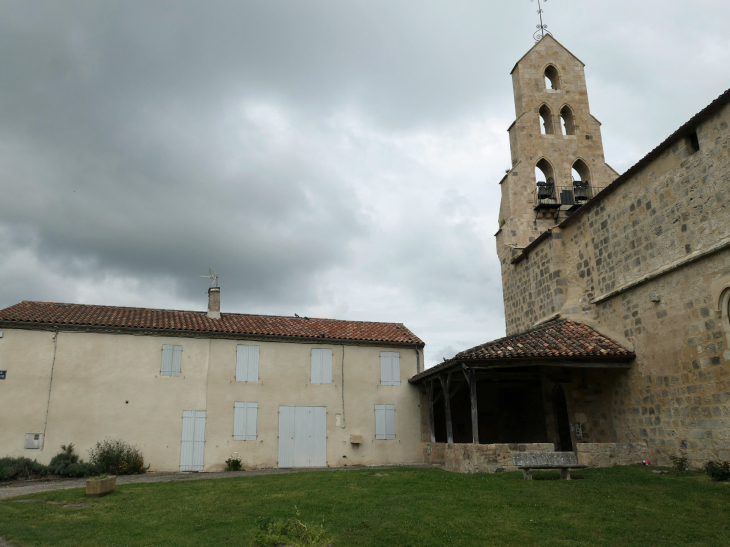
(682, 132)
(562, 340)
(175, 321)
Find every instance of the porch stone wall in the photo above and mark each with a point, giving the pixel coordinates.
(437, 455)
(610, 454)
(487, 458)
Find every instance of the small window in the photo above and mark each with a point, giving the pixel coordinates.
(693, 142)
(171, 360)
(385, 422)
(247, 363)
(389, 368)
(33, 441)
(321, 366)
(244, 421)
(546, 120)
(552, 78)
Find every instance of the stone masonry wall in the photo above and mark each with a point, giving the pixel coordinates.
(643, 266)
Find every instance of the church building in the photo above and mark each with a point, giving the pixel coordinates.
(616, 293)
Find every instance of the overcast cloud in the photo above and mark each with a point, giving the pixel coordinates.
(333, 158)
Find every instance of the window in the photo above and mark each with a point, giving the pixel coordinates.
(247, 363)
(244, 421)
(546, 119)
(321, 366)
(552, 78)
(693, 142)
(567, 120)
(385, 422)
(389, 368)
(171, 360)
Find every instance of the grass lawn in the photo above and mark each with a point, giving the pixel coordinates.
(418, 507)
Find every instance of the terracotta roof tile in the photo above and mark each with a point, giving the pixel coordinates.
(561, 339)
(82, 315)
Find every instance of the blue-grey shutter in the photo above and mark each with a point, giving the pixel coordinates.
(171, 360)
(166, 368)
(395, 369)
(192, 447)
(316, 373)
(244, 421)
(380, 422)
(386, 370)
(176, 360)
(389, 421)
(251, 415)
(321, 366)
(247, 363)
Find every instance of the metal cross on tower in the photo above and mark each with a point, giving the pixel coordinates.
(542, 27)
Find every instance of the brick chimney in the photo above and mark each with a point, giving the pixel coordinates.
(214, 303)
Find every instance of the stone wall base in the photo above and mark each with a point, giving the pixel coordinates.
(497, 458)
(610, 454)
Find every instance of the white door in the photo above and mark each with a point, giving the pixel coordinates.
(192, 447)
(302, 436)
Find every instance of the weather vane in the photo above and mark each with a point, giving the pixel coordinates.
(542, 27)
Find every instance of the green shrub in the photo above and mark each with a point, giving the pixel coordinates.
(718, 471)
(21, 468)
(292, 532)
(117, 458)
(67, 464)
(234, 463)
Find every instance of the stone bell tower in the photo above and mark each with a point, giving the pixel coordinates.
(557, 151)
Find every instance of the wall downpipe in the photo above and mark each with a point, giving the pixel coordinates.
(418, 360)
(343, 386)
(50, 384)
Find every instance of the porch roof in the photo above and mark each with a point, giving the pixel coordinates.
(558, 343)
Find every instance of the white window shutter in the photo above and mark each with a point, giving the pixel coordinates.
(318, 367)
(251, 415)
(247, 363)
(386, 370)
(389, 421)
(176, 360)
(326, 366)
(244, 421)
(166, 368)
(239, 421)
(395, 367)
(380, 422)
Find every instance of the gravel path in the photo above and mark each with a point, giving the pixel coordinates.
(34, 487)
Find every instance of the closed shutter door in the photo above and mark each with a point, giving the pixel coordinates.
(389, 368)
(247, 363)
(192, 446)
(302, 436)
(380, 421)
(395, 369)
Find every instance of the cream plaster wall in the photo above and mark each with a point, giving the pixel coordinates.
(109, 385)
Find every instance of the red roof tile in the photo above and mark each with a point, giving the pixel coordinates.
(561, 339)
(81, 315)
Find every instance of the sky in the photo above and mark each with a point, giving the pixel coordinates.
(331, 158)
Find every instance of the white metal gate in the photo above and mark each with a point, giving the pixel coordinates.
(302, 436)
(192, 447)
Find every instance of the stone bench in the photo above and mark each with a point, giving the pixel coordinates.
(564, 461)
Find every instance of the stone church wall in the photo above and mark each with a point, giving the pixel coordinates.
(644, 266)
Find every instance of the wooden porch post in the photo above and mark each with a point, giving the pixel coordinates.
(445, 385)
(471, 380)
(429, 393)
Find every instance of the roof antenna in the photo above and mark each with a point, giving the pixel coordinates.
(542, 27)
(213, 277)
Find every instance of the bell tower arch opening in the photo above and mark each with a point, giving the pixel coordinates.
(552, 78)
(581, 181)
(546, 120)
(545, 178)
(567, 120)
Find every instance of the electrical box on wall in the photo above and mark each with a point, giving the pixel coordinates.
(1, 334)
(33, 440)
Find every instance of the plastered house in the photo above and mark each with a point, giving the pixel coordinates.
(190, 389)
